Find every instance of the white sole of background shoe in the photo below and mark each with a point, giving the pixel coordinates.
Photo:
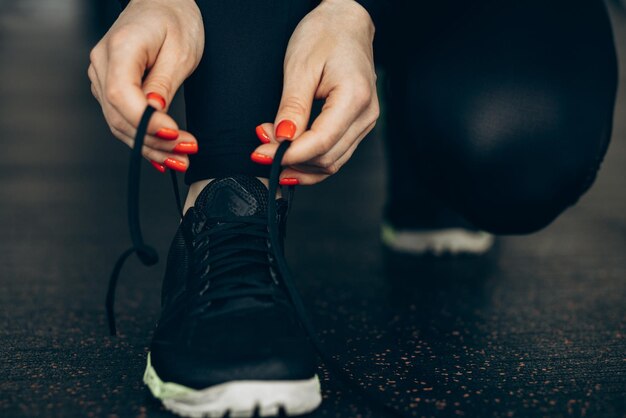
(240, 399)
(438, 242)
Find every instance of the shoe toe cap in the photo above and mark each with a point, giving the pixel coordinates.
(259, 346)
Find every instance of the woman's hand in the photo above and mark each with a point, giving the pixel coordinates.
(329, 56)
(144, 58)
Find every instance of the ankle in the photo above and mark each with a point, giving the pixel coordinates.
(196, 188)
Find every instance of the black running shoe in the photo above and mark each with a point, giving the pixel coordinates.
(228, 340)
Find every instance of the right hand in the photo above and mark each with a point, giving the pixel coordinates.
(152, 48)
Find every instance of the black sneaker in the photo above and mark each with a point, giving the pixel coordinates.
(228, 340)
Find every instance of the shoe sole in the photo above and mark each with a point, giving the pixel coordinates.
(237, 399)
(438, 242)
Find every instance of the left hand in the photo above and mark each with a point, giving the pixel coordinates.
(329, 56)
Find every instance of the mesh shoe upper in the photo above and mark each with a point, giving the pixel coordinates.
(225, 314)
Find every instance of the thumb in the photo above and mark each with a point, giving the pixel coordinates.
(162, 82)
(295, 106)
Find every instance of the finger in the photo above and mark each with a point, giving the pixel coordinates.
(265, 153)
(352, 138)
(95, 83)
(265, 133)
(302, 175)
(124, 91)
(295, 104)
(168, 132)
(170, 160)
(342, 108)
(163, 80)
(94, 93)
(293, 177)
(159, 167)
(185, 144)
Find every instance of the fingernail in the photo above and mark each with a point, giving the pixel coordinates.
(261, 159)
(175, 164)
(156, 96)
(286, 129)
(167, 133)
(159, 167)
(186, 148)
(289, 182)
(263, 137)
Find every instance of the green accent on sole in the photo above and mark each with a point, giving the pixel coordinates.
(163, 390)
(388, 234)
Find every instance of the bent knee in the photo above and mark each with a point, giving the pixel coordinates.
(519, 160)
(521, 189)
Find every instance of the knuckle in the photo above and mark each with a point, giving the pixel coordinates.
(375, 112)
(113, 94)
(116, 122)
(185, 57)
(326, 163)
(160, 83)
(118, 39)
(94, 54)
(362, 93)
(116, 132)
(293, 105)
(94, 92)
(372, 125)
(331, 169)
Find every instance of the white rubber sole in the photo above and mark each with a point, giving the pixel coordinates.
(438, 242)
(239, 399)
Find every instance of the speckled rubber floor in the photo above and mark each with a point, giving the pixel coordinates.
(537, 329)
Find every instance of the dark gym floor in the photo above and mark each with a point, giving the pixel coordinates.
(536, 329)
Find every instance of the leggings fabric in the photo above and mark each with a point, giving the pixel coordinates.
(499, 109)
(238, 83)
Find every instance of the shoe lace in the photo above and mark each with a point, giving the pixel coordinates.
(235, 243)
(223, 262)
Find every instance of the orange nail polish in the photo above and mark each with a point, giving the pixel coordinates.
(175, 164)
(159, 167)
(263, 137)
(167, 133)
(289, 182)
(261, 159)
(186, 148)
(286, 129)
(157, 97)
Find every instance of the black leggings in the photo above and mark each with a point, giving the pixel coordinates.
(501, 109)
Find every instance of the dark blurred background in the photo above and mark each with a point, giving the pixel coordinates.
(536, 328)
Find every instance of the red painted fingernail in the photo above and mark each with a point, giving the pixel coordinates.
(289, 182)
(159, 167)
(263, 137)
(156, 96)
(175, 164)
(186, 148)
(167, 133)
(286, 129)
(261, 159)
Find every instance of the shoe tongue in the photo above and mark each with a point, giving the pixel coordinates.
(233, 196)
(237, 196)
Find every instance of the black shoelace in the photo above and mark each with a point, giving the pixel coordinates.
(237, 243)
(148, 256)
